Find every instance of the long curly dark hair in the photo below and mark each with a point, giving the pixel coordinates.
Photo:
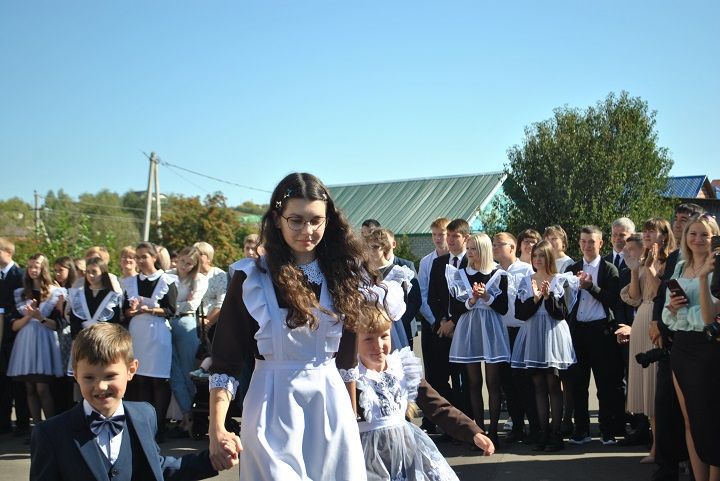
(340, 255)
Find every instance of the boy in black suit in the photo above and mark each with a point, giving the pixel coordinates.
(437, 339)
(105, 437)
(11, 278)
(592, 324)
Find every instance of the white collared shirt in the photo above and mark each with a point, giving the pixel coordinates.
(459, 256)
(590, 309)
(424, 281)
(152, 277)
(110, 447)
(7, 268)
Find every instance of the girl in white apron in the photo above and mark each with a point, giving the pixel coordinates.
(150, 299)
(294, 309)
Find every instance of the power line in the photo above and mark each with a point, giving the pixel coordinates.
(168, 164)
(172, 169)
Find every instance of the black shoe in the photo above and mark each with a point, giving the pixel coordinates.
(176, 432)
(555, 443)
(567, 428)
(515, 436)
(636, 438)
(21, 431)
(580, 438)
(541, 443)
(533, 437)
(428, 427)
(608, 440)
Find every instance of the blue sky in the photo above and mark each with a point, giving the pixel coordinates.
(351, 91)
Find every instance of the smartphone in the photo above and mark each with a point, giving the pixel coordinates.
(715, 242)
(674, 286)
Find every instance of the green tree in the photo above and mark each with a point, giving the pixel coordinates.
(249, 207)
(588, 167)
(187, 220)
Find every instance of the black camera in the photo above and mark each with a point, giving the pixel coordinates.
(651, 356)
(712, 330)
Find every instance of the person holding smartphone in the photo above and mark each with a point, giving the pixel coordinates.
(694, 357)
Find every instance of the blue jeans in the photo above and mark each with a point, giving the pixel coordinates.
(185, 343)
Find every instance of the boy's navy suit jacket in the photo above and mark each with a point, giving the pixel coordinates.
(64, 448)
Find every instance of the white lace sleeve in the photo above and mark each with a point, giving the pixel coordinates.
(223, 381)
(349, 375)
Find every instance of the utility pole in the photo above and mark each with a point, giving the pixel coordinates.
(157, 203)
(37, 213)
(153, 180)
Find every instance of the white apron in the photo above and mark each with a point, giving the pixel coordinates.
(298, 422)
(152, 342)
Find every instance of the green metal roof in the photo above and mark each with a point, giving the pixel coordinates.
(410, 206)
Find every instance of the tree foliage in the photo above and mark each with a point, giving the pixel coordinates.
(587, 167)
(186, 220)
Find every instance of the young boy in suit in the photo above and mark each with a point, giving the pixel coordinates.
(104, 437)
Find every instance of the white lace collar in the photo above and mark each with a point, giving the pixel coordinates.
(312, 272)
(152, 277)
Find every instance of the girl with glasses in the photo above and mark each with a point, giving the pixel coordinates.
(295, 310)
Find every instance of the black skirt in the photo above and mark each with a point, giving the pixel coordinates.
(696, 364)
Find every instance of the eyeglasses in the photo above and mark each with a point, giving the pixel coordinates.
(499, 245)
(298, 223)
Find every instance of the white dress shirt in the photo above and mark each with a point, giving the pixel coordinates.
(424, 281)
(7, 269)
(590, 309)
(110, 447)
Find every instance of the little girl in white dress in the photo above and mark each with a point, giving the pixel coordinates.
(387, 384)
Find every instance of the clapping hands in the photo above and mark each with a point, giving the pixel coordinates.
(32, 309)
(479, 292)
(652, 262)
(586, 280)
(541, 292)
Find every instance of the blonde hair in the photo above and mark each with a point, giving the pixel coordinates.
(485, 263)
(440, 223)
(506, 236)
(102, 343)
(163, 258)
(377, 322)
(705, 219)
(206, 249)
(7, 246)
(98, 251)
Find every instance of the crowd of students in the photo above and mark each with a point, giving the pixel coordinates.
(542, 323)
(161, 299)
(514, 312)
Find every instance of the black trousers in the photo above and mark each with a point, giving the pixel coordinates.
(519, 391)
(597, 350)
(670, 448)
(13, 393)
(436, 361)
